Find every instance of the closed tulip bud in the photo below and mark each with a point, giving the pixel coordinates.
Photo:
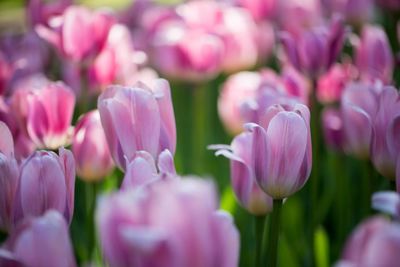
(48, 123)
(47, 181)
(89, 146)
(282, 150)
(138, 118)
(167, 223)
(243, 180)
(332, 124)
(8, 177)
(376, 242)
(39, 242)
(374, 57)
(385, 144)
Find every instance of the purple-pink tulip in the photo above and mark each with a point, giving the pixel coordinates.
(376, 242)
(5, 73)
(243, 179)
(89, 146)
(39, 242)
(138, 118)
(388, 202)
(47, 181)
(40, 11)
(374, 58)
(167, 223)
(9, 175)
(355, 11)
(259, 9)
(332, 125)
(282, 150)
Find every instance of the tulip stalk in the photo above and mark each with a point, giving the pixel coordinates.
(273, 235)
(259, 233)
(199, 94)
(90, 197)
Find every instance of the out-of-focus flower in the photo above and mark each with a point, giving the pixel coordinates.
(40, 11)
(39, 242)
(359, 105)
(142, 169)
(47, 123)
(355, 11)
(385, 144)
(138, 118)
(388, 202)
(47, 181)
(332, 125)
(78, 33)
(259, 9)
(331, 84)
(5, 73)
(296, 16)
(89, 146)
(243, 180)
(315, 50)
(374, 58)
(282, 150)
(8, 177)
(167, 223)
(389, 5)
(376, 242)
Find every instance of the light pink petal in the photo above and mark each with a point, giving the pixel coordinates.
(166, 163)
(388, 202)
(6, 140)
(140, 171)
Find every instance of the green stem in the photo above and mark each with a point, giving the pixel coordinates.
(90, 192)
(366, 188)
(258, 233)
(199, 128)
(274, 234)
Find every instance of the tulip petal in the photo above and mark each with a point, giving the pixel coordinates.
(67, 163)
(140, 171)
(6, 140)
(166, 163)
(388, 202)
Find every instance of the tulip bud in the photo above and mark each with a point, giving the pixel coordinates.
(8, 177)
(138, 118)
(47, 181)
(332, 124)
(40, 242)
(282, 150)
(48, 122)
(376, 242)
(243, 181)
(90, 148)
(374, 57)
(167, 223)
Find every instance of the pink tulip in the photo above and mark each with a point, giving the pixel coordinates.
(40, 11)
(142, 170)
(374, 57)
(388, 202)
(332, 124)
(47, 181)
(48, 123)
(79, 33)
(359, 105)
(40, 242)
(167, 223)
(282, 150)
(259, 9)
(385, 144)
(8, 177)
(355, 11)
(243, 180)
(315, 50)
(376, 242)
(89, 146)
(138, 118)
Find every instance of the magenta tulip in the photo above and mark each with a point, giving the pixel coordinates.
(374, 57)
(376, 242)
(40, 11)
(355, 11)
(39, 242)
(282, 150)
(9, 175)
(259, 9)
(47, 181)
(89, 146)
(167, 223)
(243, 180)
(138, 118)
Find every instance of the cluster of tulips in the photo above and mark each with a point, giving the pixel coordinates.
(110, 121)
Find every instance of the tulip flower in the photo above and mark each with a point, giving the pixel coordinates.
(332, 124)
(315, 50)
(40, 11)
(355, 11)
(142, 169)
(388, 202)
(5, 73)
(9, 175)
(374, 57)
(138, 118)
(282, 150)
(385, 144)
(89, 146)
(259, 9)
(167, 223)
(376, 242)
(39, 242)
(79, 33)
(243, 180)
(47, 181)
(48, 123)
